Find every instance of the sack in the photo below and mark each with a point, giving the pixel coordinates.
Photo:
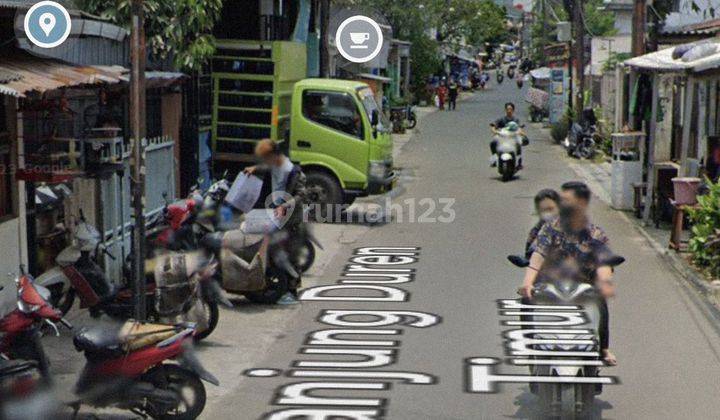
(239, 275)
(174, 284)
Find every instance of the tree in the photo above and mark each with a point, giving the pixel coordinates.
(597, 21)
(180, 29)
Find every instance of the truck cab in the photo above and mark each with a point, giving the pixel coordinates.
(341, 139)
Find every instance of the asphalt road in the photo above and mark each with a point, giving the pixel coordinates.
(666, 341)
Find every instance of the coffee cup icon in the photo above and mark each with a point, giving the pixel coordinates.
(359, 38)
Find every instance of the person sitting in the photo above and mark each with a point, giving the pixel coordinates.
(498, 125)
(572, 241)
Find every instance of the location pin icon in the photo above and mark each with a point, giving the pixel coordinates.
(47, 23)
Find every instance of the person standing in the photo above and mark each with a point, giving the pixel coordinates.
(442, 94)
(452, 94)
(288, 184)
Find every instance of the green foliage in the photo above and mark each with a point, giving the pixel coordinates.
(704, 245)
(180, 29)
(471, 21)
(598, 22)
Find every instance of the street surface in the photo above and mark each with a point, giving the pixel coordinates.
(666, 341)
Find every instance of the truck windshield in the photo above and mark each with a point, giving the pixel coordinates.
(370, 104)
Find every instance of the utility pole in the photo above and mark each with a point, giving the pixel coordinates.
(543, 36)
(579, 54)
(137, 125)
(638, 27)
(324, 38)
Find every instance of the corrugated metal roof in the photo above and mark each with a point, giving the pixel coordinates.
(663, 60)
(707, 27)
(26, 4)
(41, 75)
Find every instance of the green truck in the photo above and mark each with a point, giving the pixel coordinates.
(334, 129)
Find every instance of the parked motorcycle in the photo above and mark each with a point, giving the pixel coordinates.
(257, 265)
(537, 114)
(580, 141)
(127, 368)
(560, 398)
(509, 152)
(412, 117)
(79, 275)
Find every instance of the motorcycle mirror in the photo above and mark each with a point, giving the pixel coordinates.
(518, 261)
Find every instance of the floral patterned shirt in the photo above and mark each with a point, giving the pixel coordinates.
(570, 255)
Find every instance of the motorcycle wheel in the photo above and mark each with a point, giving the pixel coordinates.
(277, 285)
(177, 380)
(411, 122)
(507, 171)
(303, 256)
(211, 312)
(62, 301)
(587, 151)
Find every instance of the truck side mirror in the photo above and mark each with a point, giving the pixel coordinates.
(374, 118)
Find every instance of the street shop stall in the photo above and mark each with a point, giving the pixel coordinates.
(538, 94)
(672, 96)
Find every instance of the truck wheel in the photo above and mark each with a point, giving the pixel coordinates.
(324, 193)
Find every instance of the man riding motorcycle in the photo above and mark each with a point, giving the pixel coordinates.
(571, 243)
(498, 125)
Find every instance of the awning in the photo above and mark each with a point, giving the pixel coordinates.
(541, 73)
(697, 57)
(22, 73)
(369, 76)
(33, 74)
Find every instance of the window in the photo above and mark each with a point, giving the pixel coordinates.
(337, 111)
(7, 202)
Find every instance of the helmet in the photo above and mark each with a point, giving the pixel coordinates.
(512, 126)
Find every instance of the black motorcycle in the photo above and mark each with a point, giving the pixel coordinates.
(580, 141)
(500, 76)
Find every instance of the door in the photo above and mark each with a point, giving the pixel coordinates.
(331, 131)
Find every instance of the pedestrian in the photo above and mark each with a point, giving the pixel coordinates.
(571, 247)
(441, 95)
(288, 186)
(452, 94)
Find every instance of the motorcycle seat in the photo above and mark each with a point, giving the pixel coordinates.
(110, 342)
(98, 341)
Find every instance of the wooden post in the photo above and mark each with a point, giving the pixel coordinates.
(638, 28)
(619, 97)
(137, 124)
(687, 123)
(651, 135)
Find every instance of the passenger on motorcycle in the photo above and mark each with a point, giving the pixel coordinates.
(572, 242)
(547, 203)
(498, 125)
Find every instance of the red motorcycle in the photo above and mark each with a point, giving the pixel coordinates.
(127, 368)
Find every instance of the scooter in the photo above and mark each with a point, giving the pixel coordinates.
(78, 274)
(500, 76)
(258, 265)
(511, 72)
(509, 152)
(580, 141)
(127, 368)
(560, 398)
